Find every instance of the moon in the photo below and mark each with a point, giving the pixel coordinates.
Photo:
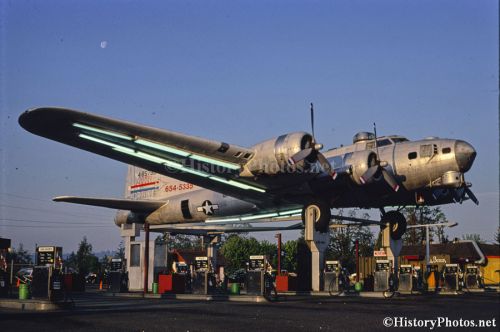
(104, 44)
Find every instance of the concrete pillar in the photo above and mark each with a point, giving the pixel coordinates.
(317, 243)
(391, 247)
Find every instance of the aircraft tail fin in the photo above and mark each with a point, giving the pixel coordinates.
(142, 184)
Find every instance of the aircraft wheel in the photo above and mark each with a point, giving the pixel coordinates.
(323, 216)
(397, 224)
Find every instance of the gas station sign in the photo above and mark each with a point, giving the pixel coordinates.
(47, 255)
(201, 263)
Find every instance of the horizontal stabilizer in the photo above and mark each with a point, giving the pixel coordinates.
(112, 203)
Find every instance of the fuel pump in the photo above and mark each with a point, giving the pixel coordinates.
(118, 279)
(406, 278)
(331, 277)
(418, 278)
(203, 277)
(472, 277)
(47, 274)
(255, 275)
(451, 276)
(4, 275)
(381, 275)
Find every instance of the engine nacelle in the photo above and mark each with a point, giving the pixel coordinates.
(123, 217)
(360, 161)
(271, 156)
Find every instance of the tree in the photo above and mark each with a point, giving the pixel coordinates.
(497, 236)
(84, 260)
(342, 243)
(180, 241)
(473, 237)
(236, 251)
(424, 215)
(270, 250)
(105, 263)
(120, 251)
(290, 259)
(21, 255)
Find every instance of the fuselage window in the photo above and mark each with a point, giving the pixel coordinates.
(425, 151)
(412, 155)
(446, 150)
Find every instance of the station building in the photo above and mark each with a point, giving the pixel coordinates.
(462, 252)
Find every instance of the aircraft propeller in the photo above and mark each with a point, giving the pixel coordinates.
(459, 195)
(312, 153)
(471, 195)
(377, 168)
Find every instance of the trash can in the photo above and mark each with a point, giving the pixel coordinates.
(235, 289)
(155, 288)
(23, 292)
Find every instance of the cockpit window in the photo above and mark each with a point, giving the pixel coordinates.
(446, 150)
(399, 139)
(384, 142)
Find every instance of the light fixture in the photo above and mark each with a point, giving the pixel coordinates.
(97, 140)
(162, 147)
(101, 131)
(259, 216)
(236, 184)
(215, 162)
(290, 212)
(222, 220)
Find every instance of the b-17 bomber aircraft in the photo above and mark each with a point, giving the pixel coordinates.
(181, 180)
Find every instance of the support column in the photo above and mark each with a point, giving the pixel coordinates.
(146, 257)
(391, 247)
(211, 242)
(278, 236)
(317, 243)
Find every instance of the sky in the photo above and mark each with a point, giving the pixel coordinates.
(240, 72)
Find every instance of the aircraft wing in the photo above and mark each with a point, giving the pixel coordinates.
(210, 164)
(120, 204)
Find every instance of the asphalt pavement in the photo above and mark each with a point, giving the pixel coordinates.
(95, 312)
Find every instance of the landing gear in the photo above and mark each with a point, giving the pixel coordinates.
(322, 215)
(397, 223)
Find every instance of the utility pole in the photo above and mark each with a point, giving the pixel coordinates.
(146, 256)
(357, 260)
(278, 236)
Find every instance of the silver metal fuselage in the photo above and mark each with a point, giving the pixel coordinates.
(427, 170)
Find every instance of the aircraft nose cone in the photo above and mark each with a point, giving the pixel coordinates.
(465, 155)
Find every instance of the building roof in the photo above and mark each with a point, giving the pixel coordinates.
(456, 250)
(490, 249)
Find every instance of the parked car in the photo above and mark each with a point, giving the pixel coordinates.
(91, 278)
